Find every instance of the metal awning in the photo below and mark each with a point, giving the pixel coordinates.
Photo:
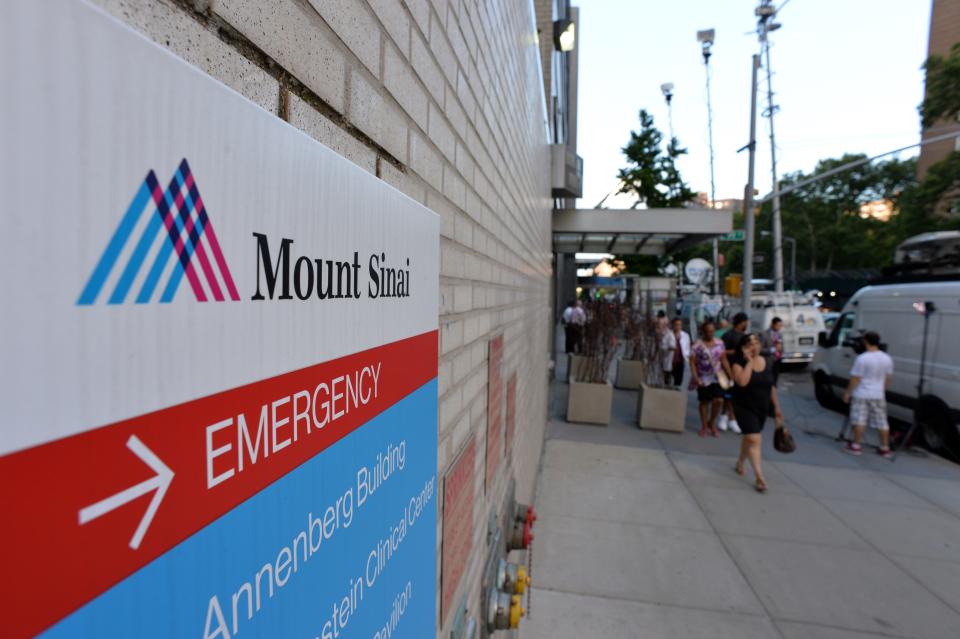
(636, 231)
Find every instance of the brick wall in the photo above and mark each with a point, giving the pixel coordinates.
(443, 99)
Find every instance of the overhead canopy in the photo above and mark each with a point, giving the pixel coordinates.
(636, 231)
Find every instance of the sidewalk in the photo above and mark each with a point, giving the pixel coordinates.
(653, 535)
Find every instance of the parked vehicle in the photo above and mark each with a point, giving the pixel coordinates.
(802, 321)
(829, 319)
(896, 312)
(696, 308)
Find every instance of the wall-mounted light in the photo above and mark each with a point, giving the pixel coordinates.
(564, 35)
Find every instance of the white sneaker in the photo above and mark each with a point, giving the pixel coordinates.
(722, 422)
(734, 426)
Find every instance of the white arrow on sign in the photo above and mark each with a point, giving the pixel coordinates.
(160, 482)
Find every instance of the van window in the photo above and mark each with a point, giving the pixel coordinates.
(842, 328)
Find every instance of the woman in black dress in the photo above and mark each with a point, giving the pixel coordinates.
(753, 393)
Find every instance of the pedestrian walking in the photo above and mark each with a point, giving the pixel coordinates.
(676, 352)
(707, 358)
(753, 394)
(573, 319)
(731, 341)
(771, 347)
(866, 393)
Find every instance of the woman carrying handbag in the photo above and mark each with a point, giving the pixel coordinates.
(753, 393)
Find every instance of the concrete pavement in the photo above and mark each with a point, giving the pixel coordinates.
(652, 535)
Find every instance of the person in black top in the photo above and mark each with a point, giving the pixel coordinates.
(731, 342)
(753, 394)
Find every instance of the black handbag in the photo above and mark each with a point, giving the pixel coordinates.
(783, 441)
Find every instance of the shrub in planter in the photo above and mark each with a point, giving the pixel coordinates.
(659, 407)
(574, 362)
(631, 367)
(631, 373)
(590, 394)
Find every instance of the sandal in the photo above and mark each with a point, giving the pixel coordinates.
(738, 468)
(761, 486)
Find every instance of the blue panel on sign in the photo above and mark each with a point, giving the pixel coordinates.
(343, 546)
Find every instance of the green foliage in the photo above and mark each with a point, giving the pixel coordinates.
(825, 216)
(943, 87)
(932, 204)
(652, 173)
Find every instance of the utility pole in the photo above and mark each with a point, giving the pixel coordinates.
(706, 39)
(747, 285)
(766, 14)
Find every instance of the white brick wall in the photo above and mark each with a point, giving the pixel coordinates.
(442, 100)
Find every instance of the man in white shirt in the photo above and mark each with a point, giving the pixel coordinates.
(866, 393)
(573, 320)
(675, 349)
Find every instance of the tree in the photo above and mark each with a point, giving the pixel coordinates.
(942, 99)
(826, 218)
(934, 203)
(652, 173)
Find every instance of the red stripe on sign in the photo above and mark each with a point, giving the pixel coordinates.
(84, 512)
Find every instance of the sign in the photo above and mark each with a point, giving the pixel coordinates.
(220, 358)
(733, 236)
(458, 489)
(494, 406)
(511, 410)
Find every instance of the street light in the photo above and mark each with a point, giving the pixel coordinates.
(667, 89)
(793, 257)
(706, 38)
(766, 15)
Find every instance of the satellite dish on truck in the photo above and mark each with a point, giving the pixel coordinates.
(697, 270)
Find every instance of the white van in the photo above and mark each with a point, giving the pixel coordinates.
(895, 311)
(802, 321)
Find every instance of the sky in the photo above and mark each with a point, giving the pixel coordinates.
(847, 78)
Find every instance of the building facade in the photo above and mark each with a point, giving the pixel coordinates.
(445, 101)
(944, 33)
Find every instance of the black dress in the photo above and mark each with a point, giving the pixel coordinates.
(751, 403)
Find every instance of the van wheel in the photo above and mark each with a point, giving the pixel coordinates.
(938, 433)
(824, 392)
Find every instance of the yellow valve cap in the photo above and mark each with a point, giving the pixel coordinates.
(522, 580)
(516, 611)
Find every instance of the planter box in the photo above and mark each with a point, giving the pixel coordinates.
(573, 365)
(589, 403)
(631, 373)
(661, 409)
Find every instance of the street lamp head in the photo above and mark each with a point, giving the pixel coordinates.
(765, 11)
(667, 89)
(706, 38)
